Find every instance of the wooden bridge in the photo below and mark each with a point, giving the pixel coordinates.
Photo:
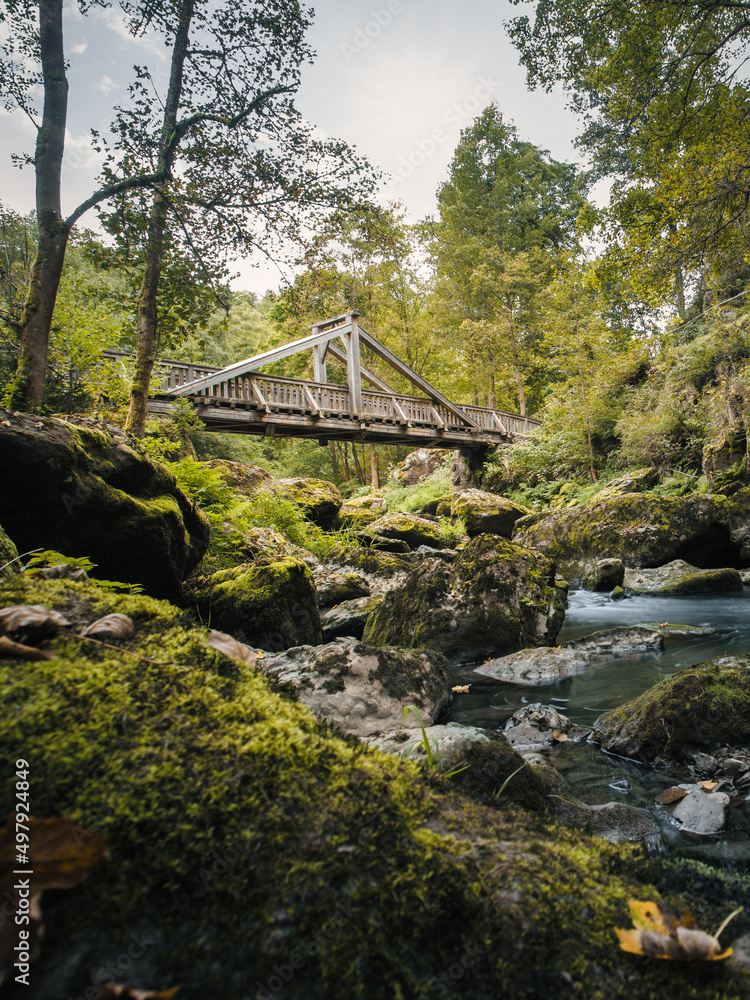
(238, 400)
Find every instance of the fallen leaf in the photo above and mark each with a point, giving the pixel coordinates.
(559, 735)
(658, 934)
(230, 647)
(670, 795)
(260, 654)
(18, 651)
(112, 992)
(61, 571)
(31, 621)
(115, 626)
(60, 855)
(461, 689)
(709, 785)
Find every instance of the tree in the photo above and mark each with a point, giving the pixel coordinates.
(666, 114)
(223, 143)
(507, 214)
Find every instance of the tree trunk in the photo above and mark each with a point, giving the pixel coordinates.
(374, 475)
(584, 392)
(357, 465)
(157, 227)
(36, 319)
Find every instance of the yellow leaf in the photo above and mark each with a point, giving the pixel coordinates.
(709, 785)
(559, 735)
(461, 689)
(658, 934)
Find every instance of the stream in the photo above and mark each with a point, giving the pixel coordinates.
(596, 777)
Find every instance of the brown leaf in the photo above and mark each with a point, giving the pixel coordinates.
(670, 795)
(61, 855)
(230, 647)
(60, 571)
(461, 688)
(658, 934)
(115, 626)
(112, 992)
(17, 651)
(559, 735)
(31, 621)
(709, 785)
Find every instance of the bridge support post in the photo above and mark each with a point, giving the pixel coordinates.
(353, 368)
(319, 358)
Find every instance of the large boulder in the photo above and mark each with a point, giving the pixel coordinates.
(700, 708)
(255, 852)
(242, 478)
(642, 530)
(486, 513)
(78, 487)
(333, 587)
(679, 577)
(494, 597)
(361, 511)
(363, 689)
(638, 481)
(270, 604)
(419, 465)
(8, 553)
(319, 500)
(349, 617)
(604, 575)
(408, 528)
(381, 570)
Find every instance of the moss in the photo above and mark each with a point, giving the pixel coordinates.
(249, 841)
(8, 552)
(408, 528)
(700, 707)
(318, 499)
(267, 603)
(371, 561)
(407, 672)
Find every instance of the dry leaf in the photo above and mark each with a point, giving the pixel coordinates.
(230, 647)
(658, 934)
(461, 689)
(709, 785)
(670, 795)
(260, 654)
(112, 992)
(31, 621)
(559, 735)
(60, 855)
(60, 571)
(115, 626)
(20, 652)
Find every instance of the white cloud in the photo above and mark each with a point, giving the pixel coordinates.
(79, 48)
(106, 85)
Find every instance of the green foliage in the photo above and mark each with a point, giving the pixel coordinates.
(413, 498)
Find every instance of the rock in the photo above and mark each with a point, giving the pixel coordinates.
(271, 605)
(604, 575)
(723, 455)
(349, 617)
(8, 554)
(453, 742)
(640, 481)
(437, 507)
(79, 488)
(700, 708)
(419, 465)
(406, 528)
(705, 765)
(550, 663)
(745, 576)
(361, 511)
(266, 543)
(701, 812)
(617, 822)
(486, 512)
(319, 500)
(496, 596)
(382, 570)
(333, 587)
(242, 478)
(618, 594)
(363, 689)
(533, 728)
(666, 628)
(679, 577)
(643, 530)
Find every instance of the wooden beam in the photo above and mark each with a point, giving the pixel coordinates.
(353, 367)
(312, 401)
(335, 351)
(417, 380)
(259, 360)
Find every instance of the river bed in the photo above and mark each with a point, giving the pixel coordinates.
(596, 777)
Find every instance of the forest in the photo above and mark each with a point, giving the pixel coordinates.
(323, 719)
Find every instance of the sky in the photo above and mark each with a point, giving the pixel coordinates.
(397, 79)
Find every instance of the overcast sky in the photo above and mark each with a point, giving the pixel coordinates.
(398, 79)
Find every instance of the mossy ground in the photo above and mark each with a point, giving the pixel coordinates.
(250, 844)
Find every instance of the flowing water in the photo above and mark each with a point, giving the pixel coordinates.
(594, 776)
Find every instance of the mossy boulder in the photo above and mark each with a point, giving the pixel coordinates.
(266, 543)
(249, 841)
(79, 488)
(319, 500)
(604, 575)
(495, 597)
(725, 457)
(700, 708)
(362, 688)
(382, 570)
(679, 577)
(419, 465)
(408, 528)
(643, 530)
(349, 617)
(270, 604)
(242, 478)
(486, 512)
(361, 511)
(437, 507)
(638, 481)
(8, 552)
(333, 587)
